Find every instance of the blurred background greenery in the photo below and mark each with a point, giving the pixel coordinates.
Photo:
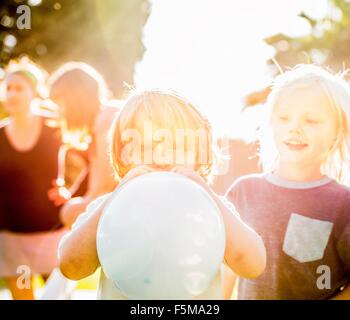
(327, 44)
(107, 34)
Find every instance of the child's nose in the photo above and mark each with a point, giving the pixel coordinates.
(295, 126)
(11, 94)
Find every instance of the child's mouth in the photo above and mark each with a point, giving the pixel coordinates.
(295, 144)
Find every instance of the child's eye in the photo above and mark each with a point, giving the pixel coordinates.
(312, 121)
(283, 118)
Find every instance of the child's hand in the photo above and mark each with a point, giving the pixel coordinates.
(196, 177)
(191, 174)
(72, 209)
(59, 195)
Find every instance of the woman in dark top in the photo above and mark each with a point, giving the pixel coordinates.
(29, 222)
(26, 177)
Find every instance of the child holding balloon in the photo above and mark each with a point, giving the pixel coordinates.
(140, 144)
(298, 206)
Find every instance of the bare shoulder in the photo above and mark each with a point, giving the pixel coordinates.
(246, 180)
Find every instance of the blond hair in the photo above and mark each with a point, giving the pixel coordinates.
(168, 114)
(337, 92)
(32, 72)
(83, 91)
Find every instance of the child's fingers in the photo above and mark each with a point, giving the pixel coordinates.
(138, 171)
(182, 170)
(52, 193)
(58, 196)
(133, 173)
(189, 173)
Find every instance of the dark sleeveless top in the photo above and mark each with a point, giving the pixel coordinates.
(25, 178)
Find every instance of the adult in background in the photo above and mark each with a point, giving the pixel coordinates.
(30, 227)
(80, 94)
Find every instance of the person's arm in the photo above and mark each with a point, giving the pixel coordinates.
(60, 193)
(245, 252)
(229, 283)
(72, 209)
(77, 251)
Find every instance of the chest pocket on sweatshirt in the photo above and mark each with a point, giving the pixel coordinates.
(306, 239)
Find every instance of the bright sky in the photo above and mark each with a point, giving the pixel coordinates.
(212, 50)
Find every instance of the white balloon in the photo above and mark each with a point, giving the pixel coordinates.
(161, 237)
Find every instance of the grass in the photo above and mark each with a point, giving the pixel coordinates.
(89, 283)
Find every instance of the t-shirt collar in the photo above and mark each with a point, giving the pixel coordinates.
(279, 181)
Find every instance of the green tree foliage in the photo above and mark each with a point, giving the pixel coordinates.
(107, 34)
(327, 44)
